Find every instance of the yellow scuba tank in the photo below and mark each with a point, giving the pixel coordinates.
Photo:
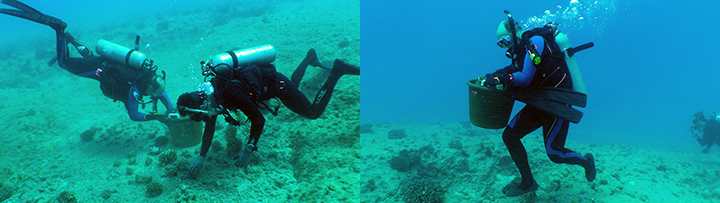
(126, 56)
(564, 43)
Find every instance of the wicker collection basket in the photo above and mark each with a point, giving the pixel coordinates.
(489, 108)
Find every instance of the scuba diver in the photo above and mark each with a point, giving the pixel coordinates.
(542, 76)
(709, 128)
(124, 74)
(244, 80)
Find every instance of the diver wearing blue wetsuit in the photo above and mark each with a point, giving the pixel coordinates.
(117, 82)
(551, 72)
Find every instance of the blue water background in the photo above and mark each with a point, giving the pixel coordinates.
(85, 14)
(653, 65)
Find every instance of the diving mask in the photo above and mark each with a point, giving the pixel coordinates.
(505, 42)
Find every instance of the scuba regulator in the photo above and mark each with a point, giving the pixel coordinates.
(515, 46)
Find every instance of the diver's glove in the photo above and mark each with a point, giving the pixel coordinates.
(242, 159)
(490, 81)
(196, 166)
(493, 80)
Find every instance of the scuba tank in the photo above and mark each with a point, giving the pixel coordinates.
(118, 53)
(564, 43)
(223, 62)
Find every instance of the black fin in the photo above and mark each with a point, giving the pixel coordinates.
(326, 63)
(345, 68)
(52, 61)
(31, 14)
(560, 95)
(556, 101)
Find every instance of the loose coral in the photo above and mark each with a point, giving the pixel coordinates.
(417, 189)
(5, 192)
(154, 189)
(168, 157)
(89, 134)
(67, 197)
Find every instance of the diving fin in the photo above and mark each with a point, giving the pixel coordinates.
(31, 14)
(325, 64)
(345, 68)
(312, 60)
(299, 73)
(52, 61)
(560, 95)
(556, 101)
(557, 109)
(81, 48)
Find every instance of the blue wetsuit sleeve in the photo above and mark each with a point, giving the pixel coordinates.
(165, 99)
(132, 106)
(524, 76)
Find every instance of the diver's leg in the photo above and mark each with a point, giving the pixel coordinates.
(342, 68)
(83, 67)
(555, 134)
(699, 140)
(310, 59)
(322, 98)
(707, 148)
(298, 103)
(523, 123)
(293, 99)
(81, 48)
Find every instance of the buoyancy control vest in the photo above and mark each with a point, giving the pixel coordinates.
(125, 67)
(556, 67)
(248, 70)
(116, 80)
(551, 67)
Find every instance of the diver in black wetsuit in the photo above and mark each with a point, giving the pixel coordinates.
(540, 77)
(709, 128)
(117, 81)
(245, 88)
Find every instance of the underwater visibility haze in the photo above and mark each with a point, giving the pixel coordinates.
(651, 69)
(63, 140)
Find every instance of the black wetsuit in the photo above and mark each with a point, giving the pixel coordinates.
(711, 134)
(246, 87)
(554, 73)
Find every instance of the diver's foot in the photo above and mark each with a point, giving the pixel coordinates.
(312, 59)
(520, 189)
(81, 48)
(343, 68)
(590, 171)
(70, 39)
(53, 22)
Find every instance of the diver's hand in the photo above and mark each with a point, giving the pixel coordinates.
(243, 157)
(196, 166)
(490, 81)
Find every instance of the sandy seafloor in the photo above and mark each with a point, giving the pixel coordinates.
(459, 162)
(46, 109)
